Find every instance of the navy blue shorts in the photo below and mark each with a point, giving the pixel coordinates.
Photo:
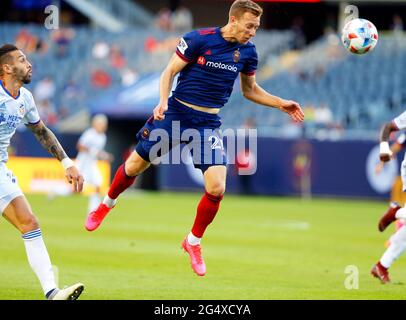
(200, 131)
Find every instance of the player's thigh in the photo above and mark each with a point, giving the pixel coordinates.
(215, 179)
(95, 176)
(13, 205)
(206, 149)
(18, 212)
(157, 138)
(135, 164)
(92, 177)
(403, 174)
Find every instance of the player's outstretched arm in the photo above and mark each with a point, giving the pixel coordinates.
(174, 66)
(252, 91)
(385, 153)
(395, 149)
(48, 140)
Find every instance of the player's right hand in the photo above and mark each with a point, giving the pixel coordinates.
(385, 157)
(74, 178)
(159, 111)
(385, 153)
(379, 167)
(293, 109)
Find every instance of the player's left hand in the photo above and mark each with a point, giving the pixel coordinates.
(293, 109)
(379, 167)
(159, 111)
(74, 178)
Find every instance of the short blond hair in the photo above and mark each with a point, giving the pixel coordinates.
(100, 118)
(239, 7)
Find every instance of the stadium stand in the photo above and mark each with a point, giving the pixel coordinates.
(86, 62)
(360, 92)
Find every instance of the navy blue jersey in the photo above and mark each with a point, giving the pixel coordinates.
(213, 65)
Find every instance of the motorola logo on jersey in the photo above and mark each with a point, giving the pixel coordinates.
(220, 65)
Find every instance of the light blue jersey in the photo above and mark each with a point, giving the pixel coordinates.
(400, 123)
(12, 112)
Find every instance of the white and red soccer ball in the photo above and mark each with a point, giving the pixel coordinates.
(359, 36)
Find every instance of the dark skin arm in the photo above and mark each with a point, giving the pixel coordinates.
(395, 148)
(386, 130)
(48, 140)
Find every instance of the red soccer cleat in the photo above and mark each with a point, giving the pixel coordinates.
(95, 218)
(380, 272)
(389, 216)
(196, 259)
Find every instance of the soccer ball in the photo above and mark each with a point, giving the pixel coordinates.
(359, 36)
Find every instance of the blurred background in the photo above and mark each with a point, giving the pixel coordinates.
(106, 56)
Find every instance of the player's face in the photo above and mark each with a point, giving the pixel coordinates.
(21, 67)
(100, 126)
(246, 27)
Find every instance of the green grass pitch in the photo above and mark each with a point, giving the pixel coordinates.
(257, 248)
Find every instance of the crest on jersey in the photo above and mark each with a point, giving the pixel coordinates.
(236, 56)
(145, 133)
(21, 109)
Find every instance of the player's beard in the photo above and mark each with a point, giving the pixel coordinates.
(27, 78)
(21, 76)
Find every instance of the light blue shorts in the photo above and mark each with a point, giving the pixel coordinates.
(9, 188)
(91, 173)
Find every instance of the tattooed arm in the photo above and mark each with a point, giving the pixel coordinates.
(48, 140)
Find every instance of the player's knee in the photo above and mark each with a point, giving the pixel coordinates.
(216, 189)
(28, 223)
(134, 168)
(135, 165)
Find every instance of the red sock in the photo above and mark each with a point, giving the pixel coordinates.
(206, 211)
(120, 182)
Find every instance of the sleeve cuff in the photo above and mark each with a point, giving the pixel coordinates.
(183, 57)
(35, 122)
(250, 74)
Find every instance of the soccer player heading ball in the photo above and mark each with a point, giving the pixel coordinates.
(17, 105)
(208, 62)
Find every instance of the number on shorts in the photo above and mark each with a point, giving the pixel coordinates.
(217, 143)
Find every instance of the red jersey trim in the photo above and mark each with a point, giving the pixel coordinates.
(207, 31)
(250, 74)
(183, 57)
